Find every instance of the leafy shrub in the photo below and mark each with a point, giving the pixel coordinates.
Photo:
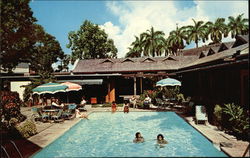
(171, 92)
(27, 129)
(218, 114)
(10, 108)
(180, 97)
(238, 120)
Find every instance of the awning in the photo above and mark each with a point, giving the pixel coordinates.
(85, 82)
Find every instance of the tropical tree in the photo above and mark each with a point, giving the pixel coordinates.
(16, 32)
(136, 48)
(196, 32)
(176, 39)
(238, 25)
(91, 42)
(217, 30)
(132, 53)
(45, 51)
(151, 41)
(160, 47)
(64, 62)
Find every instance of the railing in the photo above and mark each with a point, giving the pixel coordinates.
(5, 151)
(16, 148)
(13, 143)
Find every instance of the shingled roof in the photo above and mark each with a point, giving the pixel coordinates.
(241, 39)
(225, 46)
(218, 56)
(197, 51)
(189, 58)
(133, 64)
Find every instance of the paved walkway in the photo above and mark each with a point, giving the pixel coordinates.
(48, 132)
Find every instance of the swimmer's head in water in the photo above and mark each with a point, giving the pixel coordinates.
(160, 137)
(137, 135)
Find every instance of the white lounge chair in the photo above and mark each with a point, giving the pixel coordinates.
(200, 114)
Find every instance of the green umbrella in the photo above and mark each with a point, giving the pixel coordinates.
(50, 88)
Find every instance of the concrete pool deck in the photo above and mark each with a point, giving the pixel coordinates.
(48, 132)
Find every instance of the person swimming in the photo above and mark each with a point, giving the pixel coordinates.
(138, 138)
(161, 140)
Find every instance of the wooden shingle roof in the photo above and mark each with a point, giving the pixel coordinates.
(217, 56)
(132, 64)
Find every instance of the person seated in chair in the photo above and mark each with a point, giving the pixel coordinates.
(81, 106)
(147, 101)
(133, 101)
(56, 104)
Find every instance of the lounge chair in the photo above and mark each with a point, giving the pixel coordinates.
(37, 115)
(69, 112)
(81, 108)
(160, 104)
(200, 114)
(58, 116)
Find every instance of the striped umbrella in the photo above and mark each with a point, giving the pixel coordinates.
(50, 88)
(168, 82)
(72, 86)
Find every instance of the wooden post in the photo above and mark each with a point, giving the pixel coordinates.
(134, 85)
(141, 84)
(112, 91)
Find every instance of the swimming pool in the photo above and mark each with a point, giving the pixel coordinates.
(111, 135)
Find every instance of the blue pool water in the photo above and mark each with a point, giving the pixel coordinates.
(111, 135)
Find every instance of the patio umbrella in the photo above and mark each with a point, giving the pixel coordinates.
(168, 82)
(50, 88)
(72, 86)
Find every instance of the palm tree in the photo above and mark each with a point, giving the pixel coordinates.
(138, 44)
(176, 39)
(132, 53)
(217, 30)
(238, 25)
(196, 32)
(151, 41)
(136, 47)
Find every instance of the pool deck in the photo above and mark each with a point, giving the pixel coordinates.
(48, 132)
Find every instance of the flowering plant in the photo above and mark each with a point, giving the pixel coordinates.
(10, 108)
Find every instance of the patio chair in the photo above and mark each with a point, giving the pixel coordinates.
(70, 111)
(159, 103)
(81, 108)
(186, 102)
(37, 115)
(200, 114)
(58, 116)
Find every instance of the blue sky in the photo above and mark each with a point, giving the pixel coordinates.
(122, 20)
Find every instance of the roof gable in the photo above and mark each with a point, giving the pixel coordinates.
(168, 58)
(106, 61)
(202, 54)
(241, 40)
(148, 60)
(127, 60)
(210, 52)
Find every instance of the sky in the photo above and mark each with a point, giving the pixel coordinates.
(122, 20)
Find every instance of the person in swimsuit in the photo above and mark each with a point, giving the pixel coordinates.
(126, 107)
(161, 140)
(138, 138)
(114, 106)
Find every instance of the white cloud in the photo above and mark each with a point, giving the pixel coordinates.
(136, 17)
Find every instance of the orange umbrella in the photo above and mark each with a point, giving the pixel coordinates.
(72, 86)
